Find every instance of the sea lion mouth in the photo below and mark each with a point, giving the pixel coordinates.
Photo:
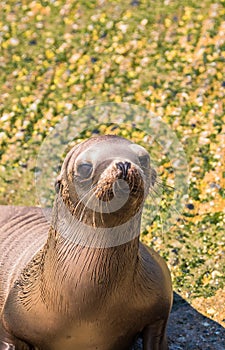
(120, 187)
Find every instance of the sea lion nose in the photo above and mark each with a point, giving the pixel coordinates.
(123, 167)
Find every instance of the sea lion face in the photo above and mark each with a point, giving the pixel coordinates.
(105, 180)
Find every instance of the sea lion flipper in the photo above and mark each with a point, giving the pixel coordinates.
(6, 340)
(6, 346)
(154, 336)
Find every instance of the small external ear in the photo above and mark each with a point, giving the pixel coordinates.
(57, 184)
(153, 177)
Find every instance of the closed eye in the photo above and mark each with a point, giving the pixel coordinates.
(84, 170)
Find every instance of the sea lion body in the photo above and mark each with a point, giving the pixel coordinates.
(61, 290)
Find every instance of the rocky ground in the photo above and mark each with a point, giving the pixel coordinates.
(188, 329)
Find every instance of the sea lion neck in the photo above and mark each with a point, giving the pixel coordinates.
(72, 267)
(66, 227)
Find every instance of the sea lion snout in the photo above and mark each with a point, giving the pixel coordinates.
(119, 178)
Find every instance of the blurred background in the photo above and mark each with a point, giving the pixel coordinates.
(167, 56)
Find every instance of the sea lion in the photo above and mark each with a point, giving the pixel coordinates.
(85, 281)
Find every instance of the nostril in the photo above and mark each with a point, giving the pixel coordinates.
(123, 167)
(127, 166)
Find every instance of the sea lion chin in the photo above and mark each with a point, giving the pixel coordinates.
(85, 281)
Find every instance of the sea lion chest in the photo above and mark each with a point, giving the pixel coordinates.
(92, 309)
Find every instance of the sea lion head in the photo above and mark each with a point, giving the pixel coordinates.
(105, 180)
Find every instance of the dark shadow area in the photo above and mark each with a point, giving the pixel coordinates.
(190, 330)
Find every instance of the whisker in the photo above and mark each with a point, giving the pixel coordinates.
(101, 214)
(168, 205)
(86, 204)
(83, 197)
(167, 187)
